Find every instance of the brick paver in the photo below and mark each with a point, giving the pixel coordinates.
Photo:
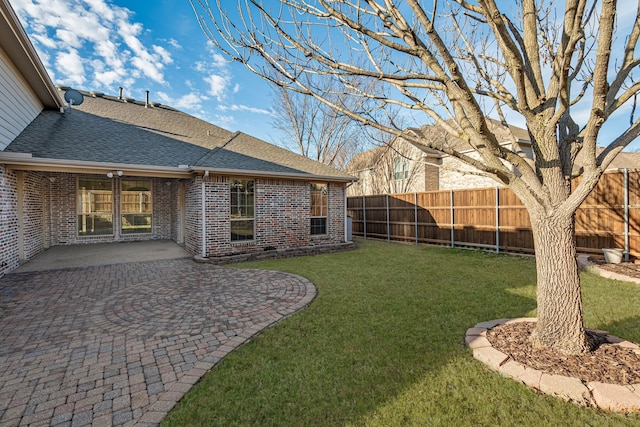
(121, 344)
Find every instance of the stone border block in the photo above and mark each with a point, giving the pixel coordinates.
(614, 398)
(611, 397)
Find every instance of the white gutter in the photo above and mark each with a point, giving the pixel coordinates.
(267, 174)
(25, 161)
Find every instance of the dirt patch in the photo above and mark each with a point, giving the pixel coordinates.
(607, 364)
(625, 268)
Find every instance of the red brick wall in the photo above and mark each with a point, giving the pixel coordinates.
(8, 221)
(282, 213)
(34, 204)
(282, 216)
(50, 218)
(193, 232)
(336, 215)
(177, 201)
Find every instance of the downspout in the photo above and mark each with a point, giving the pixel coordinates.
(204, 216)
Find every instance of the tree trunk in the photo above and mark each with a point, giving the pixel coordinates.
(560, 322)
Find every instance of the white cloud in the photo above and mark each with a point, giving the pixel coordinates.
(70, 64)
(245, 108)
(174, 43)
(219, 61)
(97, 31)
(163, 54)
(45, 41)
(190, 101)
(223, 121)
(217, 85)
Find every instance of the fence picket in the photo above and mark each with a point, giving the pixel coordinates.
(496, 218)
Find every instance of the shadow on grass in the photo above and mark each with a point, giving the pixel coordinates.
(382, 344)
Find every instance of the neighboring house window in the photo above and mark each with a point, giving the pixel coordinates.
(136, 206)
(242, 209)
(95, 206)
(318, 209)
(400, 169)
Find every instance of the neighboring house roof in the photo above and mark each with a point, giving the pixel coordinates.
(15, 42)
(624, 160)
(432, 133)
(112, 131)
(367, 159)
(439, 136)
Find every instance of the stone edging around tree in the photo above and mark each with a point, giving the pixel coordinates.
(610, 397)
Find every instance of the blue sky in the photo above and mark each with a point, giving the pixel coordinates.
(99, 45)
(158, 46)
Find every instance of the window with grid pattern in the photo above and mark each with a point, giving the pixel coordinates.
(95, 206)
(137, 210)
(319, 206)
(242, 210)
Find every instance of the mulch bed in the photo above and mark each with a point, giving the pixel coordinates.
(630, 269)
(607, 364)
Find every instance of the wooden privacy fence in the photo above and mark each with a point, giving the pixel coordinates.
(494, 218)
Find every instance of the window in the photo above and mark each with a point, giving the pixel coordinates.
(400, 169)
(242, 210)
(95, 206)
(318, 209)
(136, 206)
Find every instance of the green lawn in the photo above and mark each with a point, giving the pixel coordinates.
(382, 345)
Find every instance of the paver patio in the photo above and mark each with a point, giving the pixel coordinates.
(121, 344)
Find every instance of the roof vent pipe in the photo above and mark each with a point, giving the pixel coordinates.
(146, 102)
(120, 93)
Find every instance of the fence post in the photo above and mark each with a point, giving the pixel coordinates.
(452, 219)
(415, 213)
(388, 227)
(497, 219)
(626, 215)
(364, 215)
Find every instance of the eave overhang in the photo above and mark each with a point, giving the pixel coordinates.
(265, 174)
(24, 161)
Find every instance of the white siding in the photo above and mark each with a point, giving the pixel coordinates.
(18, 105)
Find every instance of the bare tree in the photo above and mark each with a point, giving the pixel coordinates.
(393, 166)
(316, 130)
(462, 60)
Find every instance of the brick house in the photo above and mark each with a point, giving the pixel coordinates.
(401, 167)
(114, 169)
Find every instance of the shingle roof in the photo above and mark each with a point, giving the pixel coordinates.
(624, 160)
(431, 133)
(110, 130)
(367, 159)
(247, 153)
(502, 132)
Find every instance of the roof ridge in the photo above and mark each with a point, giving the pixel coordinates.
(214, 150)
(231, 138)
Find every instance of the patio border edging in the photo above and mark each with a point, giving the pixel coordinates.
(171, 397)
(610, 397)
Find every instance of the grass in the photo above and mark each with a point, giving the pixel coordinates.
(382, 345)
